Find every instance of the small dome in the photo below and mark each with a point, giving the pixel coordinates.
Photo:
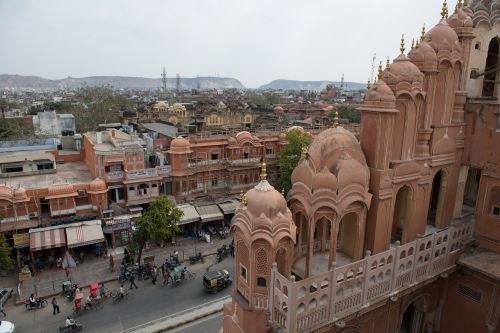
(459, 19)
(161, 105)
(302, 173)
(244, 135)
(298, 128)
(179, 143)
(424, 57)
(97, 185)
(264, 199)
(349, 171)
(442, 36)
(6, 192)
(278, 109)
(380, 93)
(61, 189)
(402, 70)
(325, 180)
(232, 141)
(20, 193)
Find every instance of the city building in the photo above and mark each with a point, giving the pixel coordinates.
(378, 235)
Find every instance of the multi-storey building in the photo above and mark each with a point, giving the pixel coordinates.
(378, 235)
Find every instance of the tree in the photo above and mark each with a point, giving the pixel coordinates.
(158, 223)
(6, 262)
(290, 155)
(346, 112)
(98, 105)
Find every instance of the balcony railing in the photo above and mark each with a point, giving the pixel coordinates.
(244, 161)
(114, 175)
(329, 297)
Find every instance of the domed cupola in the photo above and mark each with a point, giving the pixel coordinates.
(324, 180)
(349, 171)
(179, 145)
(459, 19)
(402, 73)
(97, 186)
(423, 55)
(380, 96)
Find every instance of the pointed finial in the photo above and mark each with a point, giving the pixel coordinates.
(422, 34)
(263, 171)
(244, 200)
(241, 195)
(402, 49)
(430, 38)
(444, 10)
(417, 44)
(283, 191)
(375, 84)
(413, 43)
(336, 119)
(380, 70)
(387, 63)
(459, 4)
(303, 152)
(368, 85)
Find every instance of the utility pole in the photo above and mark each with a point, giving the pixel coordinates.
(342, 82)
(178, 83)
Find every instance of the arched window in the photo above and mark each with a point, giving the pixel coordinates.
(491, 69)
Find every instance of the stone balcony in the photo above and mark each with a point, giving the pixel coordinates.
(330, 297)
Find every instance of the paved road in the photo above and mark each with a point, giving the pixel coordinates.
(147, 303)
(210, 324)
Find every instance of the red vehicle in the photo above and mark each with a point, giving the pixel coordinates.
(93, 290)
(78, 303)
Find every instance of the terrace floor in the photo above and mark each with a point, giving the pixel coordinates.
(319, 263)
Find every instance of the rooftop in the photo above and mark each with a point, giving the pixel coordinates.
(68, 173)
(483, 261)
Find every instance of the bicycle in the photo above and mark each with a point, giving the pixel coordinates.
(118, 297)
(190, 276)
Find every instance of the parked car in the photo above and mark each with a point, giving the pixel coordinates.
(7, 327)
(5, 294)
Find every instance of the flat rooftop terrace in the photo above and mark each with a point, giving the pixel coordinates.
(67, 173)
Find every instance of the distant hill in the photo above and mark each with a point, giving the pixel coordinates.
(36, 82)
(308, 85)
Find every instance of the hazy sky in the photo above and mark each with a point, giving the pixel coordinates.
(255, 41)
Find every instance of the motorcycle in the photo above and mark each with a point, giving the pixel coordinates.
(221, 253)
(39, 303)
(70, 329)
(196, 258)
(124, 275)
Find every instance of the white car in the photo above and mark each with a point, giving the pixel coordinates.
(7, 327)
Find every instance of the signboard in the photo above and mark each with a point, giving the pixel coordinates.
(107, 229)
(132, 174)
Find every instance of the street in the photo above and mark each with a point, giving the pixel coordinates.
(210, 324)
(147, 303)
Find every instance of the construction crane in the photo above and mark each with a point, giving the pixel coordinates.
(374, 58)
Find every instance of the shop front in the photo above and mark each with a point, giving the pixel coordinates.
(189, 222)
(118, 231)
(47, 246)
(85, 238)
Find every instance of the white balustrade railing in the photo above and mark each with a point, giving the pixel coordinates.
(321, 299)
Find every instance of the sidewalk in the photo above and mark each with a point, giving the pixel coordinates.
(49, 281)
(181, 318)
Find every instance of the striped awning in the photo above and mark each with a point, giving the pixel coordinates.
(84, 234)
(47, 239)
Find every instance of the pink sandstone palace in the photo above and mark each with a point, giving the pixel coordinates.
(399, 232)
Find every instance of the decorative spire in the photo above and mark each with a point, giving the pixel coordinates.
(444, 10)
(241, 195)
(417, 44)
(368, 85)
(263, 171)
(303, 152)
(430, 38)
(402, 48)
(422, 34)
(336, 119)
(244, 200)
(387, 63)
(459, 4)
(283, 191)
(413, 43)
(380, 70)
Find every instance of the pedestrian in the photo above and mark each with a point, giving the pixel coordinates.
(55, 307)
(132, 281)
(165, 277)
(111, 263)
(66, 270)
(154, 274)
(2, 311)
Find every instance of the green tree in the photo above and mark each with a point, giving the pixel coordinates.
(158, 223)
(14, 129)
(290, 155)
(6, 261)
(346, 112)
(97, 105)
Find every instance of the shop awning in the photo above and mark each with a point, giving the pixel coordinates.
(84, 233)
(209, 213)
(21, 240)
(228, 207)
(190, 214)
(47, 238)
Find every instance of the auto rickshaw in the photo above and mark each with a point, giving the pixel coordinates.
(215, 281)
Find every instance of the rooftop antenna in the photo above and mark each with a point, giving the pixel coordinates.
(198, 82)
(342, 81)
(374, 58)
